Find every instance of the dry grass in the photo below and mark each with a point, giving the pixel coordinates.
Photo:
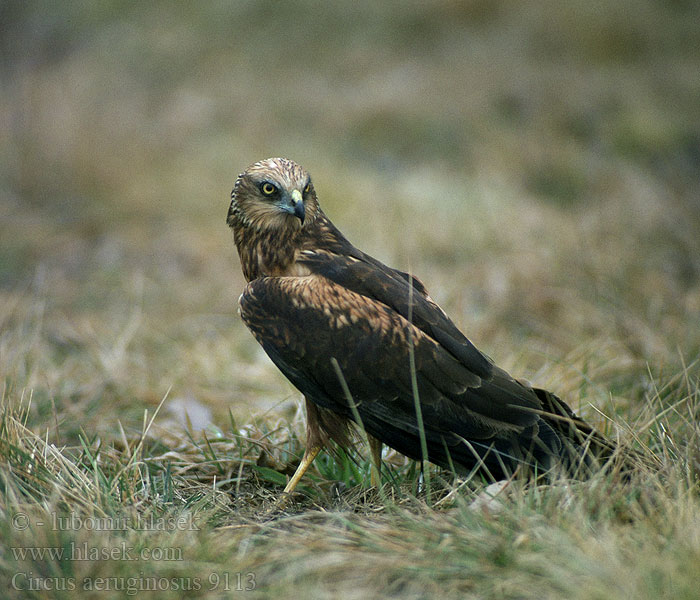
(536, 165)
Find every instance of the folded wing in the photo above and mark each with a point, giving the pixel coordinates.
(471, 409)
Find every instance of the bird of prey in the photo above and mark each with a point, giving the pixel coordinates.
(365, 343)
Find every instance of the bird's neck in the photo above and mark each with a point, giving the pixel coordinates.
(267, 253)
(274, 252)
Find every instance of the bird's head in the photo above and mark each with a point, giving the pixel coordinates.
(275, 193)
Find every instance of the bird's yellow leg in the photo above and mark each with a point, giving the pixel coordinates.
(375, 447)
(305, 463)
(309, 454)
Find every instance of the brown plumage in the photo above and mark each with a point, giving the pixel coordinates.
(313, 297)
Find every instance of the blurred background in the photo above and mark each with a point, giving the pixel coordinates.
(536, 164)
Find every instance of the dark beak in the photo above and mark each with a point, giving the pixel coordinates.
(297, 205)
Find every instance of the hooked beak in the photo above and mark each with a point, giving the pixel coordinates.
(296, 205)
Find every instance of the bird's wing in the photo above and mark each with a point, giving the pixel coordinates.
(404, 294)
(304, 322)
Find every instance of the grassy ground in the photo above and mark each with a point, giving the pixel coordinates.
(535, 164)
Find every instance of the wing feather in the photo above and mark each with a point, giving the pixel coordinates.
(373, 279)
(303, 322)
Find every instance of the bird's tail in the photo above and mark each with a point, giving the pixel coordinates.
(583, 450)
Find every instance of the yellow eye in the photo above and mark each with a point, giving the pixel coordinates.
(268, 189)
(307, 189)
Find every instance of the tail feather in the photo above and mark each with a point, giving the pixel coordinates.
(560, 442)
(584, 449)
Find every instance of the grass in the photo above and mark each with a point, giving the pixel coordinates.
(194, 511)
(535, 165)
